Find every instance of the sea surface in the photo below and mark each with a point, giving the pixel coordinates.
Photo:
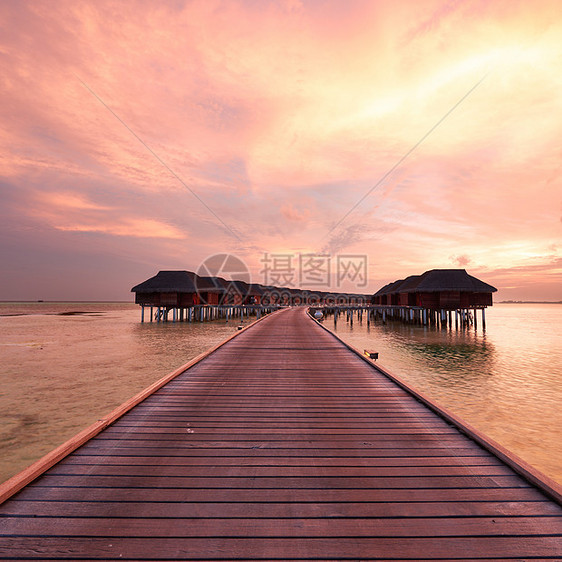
(65, 365)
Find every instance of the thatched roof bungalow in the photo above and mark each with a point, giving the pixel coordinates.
(437, 289)
(179, 289)
(406, 295)
(449, 289)
(168, 289)
(380, 295)
(388, 294)
(256, 293)
(240, 292)
(211, 290)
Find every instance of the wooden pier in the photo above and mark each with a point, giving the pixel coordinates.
(204, 313)
(283, 444)
(437, 318)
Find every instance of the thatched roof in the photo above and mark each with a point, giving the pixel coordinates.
(240, 286)
(437, 280)
(256, 289)
(168, 282)
(382, 290)
(211, 284)
(390, 288)
(189, 282)
(408, 284)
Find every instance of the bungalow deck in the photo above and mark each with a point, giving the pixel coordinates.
(282, 444)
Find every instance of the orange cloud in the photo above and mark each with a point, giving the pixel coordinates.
(136, 228)
(70, 200)
(292, 213)
(288, 111)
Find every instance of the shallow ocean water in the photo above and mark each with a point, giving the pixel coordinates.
(65, 365)
(506, 381)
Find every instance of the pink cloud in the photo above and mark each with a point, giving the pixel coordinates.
(135, 228)
(290, 212)
(284, 113)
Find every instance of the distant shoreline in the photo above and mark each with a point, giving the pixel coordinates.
(528, 302)
(66, 302)
(132, 302)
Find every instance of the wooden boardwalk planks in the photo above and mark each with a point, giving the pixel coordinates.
(281, 445)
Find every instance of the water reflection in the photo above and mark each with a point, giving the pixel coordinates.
(450, 352)
(506, 381)
(64, 367)
(169, 345)
(61, 372)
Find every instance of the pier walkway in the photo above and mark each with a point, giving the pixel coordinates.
(282, 444)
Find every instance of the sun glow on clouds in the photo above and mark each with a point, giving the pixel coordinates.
(136, 228)
(281, 116)
(73, 212)
(71, 200)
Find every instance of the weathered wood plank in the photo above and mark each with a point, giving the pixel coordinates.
(318, 461)
(353, 548)
(168, 510)
(265, 482)
(294, 527)
(165, 470)
(264, 450)
(282, 433)
(251, 495)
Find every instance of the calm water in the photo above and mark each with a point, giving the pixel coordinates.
(61, 372)
(506, 381)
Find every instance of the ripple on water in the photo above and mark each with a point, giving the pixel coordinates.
(507, 382)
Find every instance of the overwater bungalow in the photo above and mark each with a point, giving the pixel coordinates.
(380, 296)
(168, 289)
(434, 295)
(388, 294)
(211, 290)
(405, 295)
(448, 289)
(437, 289)
(190, 296)
(242, 293)
(256, 293)
(419, 298)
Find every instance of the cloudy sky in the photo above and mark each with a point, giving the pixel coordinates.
(141, 135)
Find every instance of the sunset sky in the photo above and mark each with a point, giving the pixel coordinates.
(145, 135)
